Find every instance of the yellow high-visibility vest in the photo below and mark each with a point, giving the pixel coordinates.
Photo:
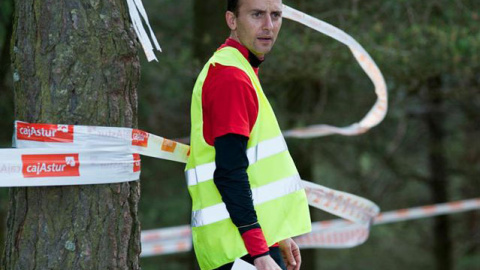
(279, 199)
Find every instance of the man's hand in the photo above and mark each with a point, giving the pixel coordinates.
(266, 263)
(291, 254)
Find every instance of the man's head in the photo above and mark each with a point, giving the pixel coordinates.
(255, 23)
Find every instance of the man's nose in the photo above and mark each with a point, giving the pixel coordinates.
(268, 23)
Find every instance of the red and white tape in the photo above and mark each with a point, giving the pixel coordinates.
(336, 233)
(74, 166)
(342, 204)
(377, 112)
(59, 155)
(29, 135)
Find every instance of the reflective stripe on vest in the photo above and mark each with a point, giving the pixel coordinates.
(260, 151)
(272, 191)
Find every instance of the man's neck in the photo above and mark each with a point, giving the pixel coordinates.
(251, 57)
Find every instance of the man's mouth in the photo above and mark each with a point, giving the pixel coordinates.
(265, 38)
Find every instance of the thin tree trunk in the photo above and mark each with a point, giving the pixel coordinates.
(6, 95)
(5, 58)
(74, 62)
(302, 154)
(438, 173)
(5, 98)
(210, 29)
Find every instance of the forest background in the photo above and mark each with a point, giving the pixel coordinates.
(426, 151)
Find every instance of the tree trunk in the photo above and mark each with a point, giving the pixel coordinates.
(210, 29)
(438, 172)
(74, 62)
(6, 97)
(303, 154)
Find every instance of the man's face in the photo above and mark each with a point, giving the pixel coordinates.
(257, 24)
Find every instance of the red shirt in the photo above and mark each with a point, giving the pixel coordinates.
(229, 100)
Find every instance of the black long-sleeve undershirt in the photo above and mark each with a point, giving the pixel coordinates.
(231, 180)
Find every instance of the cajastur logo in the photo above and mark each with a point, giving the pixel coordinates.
(45, 132)
(136, 162)
(139, 138)
(51, 165)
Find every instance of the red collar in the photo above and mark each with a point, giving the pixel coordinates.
(251, 58)
(230, 42)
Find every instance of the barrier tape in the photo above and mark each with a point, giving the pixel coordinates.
(134, 7)
(72, 166)
(377, 112)
(29, 135)
(58, 155)
(342, 204)
(166, 247)
(325, 234)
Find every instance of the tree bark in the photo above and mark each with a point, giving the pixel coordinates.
(438, 172)
(74, 62)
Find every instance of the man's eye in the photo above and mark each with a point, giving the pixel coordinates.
(257, 14)
(276, 15)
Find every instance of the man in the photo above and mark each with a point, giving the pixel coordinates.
(247, 198)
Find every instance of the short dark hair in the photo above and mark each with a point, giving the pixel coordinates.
(232, 5)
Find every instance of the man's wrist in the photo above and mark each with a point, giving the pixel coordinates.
(260, 255)
(255, 242)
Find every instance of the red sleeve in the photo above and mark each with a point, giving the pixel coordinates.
(229, 103)
(255, 242)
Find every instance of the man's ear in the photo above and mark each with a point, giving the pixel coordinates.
(231, 20)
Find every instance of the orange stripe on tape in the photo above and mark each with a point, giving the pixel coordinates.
(403, 212)
(429, 209)
(158, 249)
(456, 205)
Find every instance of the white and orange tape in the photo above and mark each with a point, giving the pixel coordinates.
(58, 155)
(29, 135)
(377, 112)
(70, 166)
(325, 234)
